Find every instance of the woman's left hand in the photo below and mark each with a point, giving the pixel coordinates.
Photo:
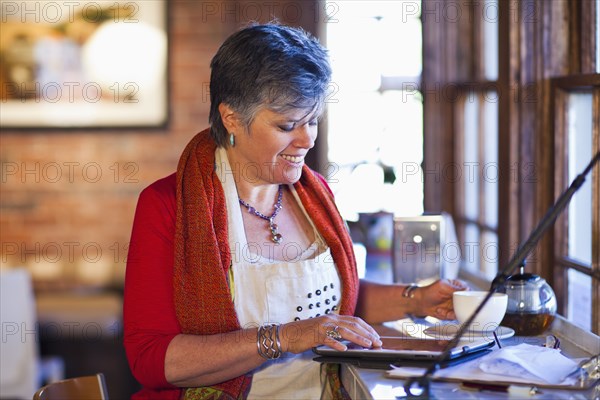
(436, 299)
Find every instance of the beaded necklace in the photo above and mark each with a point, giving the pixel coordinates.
(275, 235)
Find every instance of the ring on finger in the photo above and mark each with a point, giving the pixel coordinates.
(333, 333)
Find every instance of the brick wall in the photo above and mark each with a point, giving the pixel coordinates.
(68, 197)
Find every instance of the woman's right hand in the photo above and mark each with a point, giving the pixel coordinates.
(297, 337)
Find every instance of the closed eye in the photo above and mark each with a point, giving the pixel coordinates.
(286, 128)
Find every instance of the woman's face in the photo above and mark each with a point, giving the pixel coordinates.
(273, 148)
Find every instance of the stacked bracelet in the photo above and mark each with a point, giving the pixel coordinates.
(267, 341)
(409, 291)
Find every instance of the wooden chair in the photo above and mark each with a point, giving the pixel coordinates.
(91, 387)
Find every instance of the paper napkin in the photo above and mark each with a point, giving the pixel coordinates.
(527, 360)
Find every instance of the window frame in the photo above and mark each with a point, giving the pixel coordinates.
(562, 87)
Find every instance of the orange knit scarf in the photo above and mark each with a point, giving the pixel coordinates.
(202, 257)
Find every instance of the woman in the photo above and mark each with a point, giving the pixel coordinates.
(239, 262)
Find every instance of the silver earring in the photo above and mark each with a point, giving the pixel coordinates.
(231, 139)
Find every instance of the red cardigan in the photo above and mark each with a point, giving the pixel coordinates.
(149, 320)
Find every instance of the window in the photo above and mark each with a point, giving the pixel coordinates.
(544, 128)
(474, 99)
(579, 148)
(579, 242)
(578, 142)
(598, 36)
(375, 128)
(489, 21)
(478, 174)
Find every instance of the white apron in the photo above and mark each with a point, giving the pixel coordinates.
(277, 291)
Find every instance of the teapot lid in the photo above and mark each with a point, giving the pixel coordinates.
(526, 277)
(522, 276)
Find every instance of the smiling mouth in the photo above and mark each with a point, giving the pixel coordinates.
(292, 159)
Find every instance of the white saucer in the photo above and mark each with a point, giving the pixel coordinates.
(448, 330)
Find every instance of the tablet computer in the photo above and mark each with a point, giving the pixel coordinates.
(405, 351)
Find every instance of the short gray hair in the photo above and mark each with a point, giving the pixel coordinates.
(271, 65)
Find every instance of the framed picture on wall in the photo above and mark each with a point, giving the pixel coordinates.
(83, 64)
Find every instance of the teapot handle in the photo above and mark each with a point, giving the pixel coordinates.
(546, 294)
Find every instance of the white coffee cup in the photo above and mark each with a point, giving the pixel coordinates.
(489, 318)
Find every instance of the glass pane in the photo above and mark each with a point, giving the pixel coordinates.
(364, 178)
(374, 134)
(598, 36)
(402, 138)
(356, 139)
(468, 171)
(489, 254)
(471, 248)
(342, 181)
(394, 138)
(377, 32)
(580, 154)
(355, 67)
(490, 171)
(400, 57)
(580, 299)
(401, 147)
(490, 13)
